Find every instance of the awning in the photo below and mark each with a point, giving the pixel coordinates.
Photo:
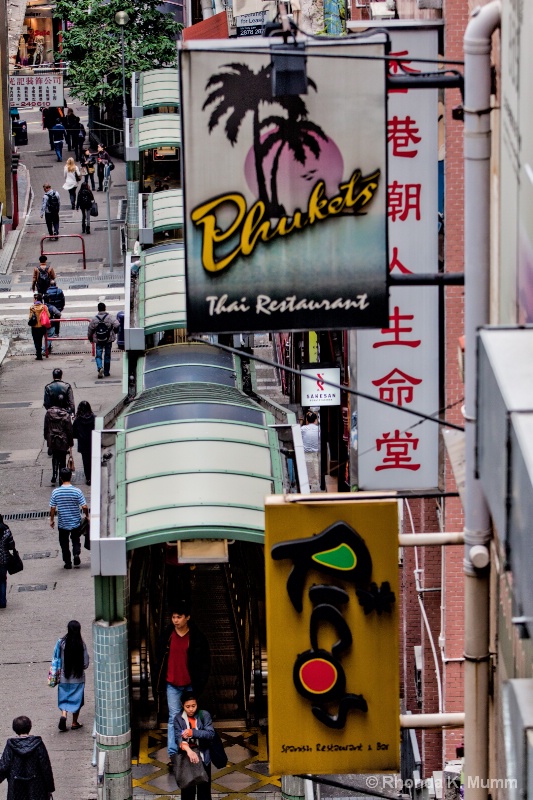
(158, 130)
(159, 212)
(158, 87)
(197, 456)
(161, 296)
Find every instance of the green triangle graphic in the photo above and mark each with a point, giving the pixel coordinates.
(340, 557)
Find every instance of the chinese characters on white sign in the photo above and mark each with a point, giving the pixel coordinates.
(35, 91)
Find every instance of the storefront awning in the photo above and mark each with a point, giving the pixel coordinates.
(159, 212)
(158, 88)
(161, 297)
(196, 457)
(149, 133)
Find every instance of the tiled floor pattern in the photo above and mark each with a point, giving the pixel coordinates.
(245, 776)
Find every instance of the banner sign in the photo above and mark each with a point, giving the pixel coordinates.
(315, 390)
(332, 597)
(285, 197)
(399, 363)
(36, 91)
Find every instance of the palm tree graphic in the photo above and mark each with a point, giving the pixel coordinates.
(240, 90)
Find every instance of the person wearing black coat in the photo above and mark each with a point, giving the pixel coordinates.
(83, 428)
(7, 543)
(83, 204)
(26, 765)
(88, 163)
(185, 663)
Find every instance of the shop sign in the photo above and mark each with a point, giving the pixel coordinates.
(245, 20)
(332, 594)
(315, 388)
(35, 91)
(285, 197)
(399, 363)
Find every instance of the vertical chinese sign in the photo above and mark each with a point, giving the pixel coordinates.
(285, 197)
(332, 636)
(399, 363)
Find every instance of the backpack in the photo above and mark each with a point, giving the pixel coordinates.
(52, 204)
(57, 436)
(102, 330)
(43, 280)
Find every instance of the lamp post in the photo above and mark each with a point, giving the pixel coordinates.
(122, 18)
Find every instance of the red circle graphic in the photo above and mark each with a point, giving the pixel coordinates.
(318, 676)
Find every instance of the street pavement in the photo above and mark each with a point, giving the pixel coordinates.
(44, 597)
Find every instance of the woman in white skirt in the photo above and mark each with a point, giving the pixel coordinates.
(72, 176)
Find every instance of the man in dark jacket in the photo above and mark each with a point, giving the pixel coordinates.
(185, 662)
(26, 765)
(59, 393)
(72, 125)
(59, 437)
(59, 135)
(55, 300)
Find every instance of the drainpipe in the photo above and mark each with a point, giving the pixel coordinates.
(477, 143)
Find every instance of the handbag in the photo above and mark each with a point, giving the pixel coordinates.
(77, 176)
(14, 562)
(83, 171)
(32, 322)
(45, 319)
(94, 209)
(186, 773)
(54, 672)
(85, 531)
(70, 461)
(216, 749)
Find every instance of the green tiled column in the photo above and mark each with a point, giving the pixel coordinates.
(112, 705)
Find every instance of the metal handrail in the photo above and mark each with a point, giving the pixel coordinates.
(61, 321)
(66, 252)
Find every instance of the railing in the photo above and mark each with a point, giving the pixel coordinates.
(65, 252)
(100, 133)
(410, 760)
(62, 321)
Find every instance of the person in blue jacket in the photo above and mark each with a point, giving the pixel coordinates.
(194, 733)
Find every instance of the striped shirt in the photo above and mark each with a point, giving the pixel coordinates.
(67, 500)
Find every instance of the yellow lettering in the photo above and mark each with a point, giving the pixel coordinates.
(203, 215)
(254, 228)
(284, 227)
(316, 203)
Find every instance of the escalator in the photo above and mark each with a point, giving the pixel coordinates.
(227, 604)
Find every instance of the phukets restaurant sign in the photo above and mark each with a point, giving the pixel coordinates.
(285, 197)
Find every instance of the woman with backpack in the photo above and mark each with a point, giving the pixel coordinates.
(72, 176)
(83, 428)
(39, 322)
(84, 204)
(59, 438)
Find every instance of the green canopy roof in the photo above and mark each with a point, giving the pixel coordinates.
(161, 299)
(159, 87)
(157, 130)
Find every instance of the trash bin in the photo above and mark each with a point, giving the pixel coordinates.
(20, 132)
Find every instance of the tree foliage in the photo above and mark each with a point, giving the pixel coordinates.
(92, 45)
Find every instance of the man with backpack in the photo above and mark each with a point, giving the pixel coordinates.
(50, 208)
(55, 301)
(59, 437)
(43, 275)
(102, 331)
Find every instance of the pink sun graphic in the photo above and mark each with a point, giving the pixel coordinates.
(294, 180)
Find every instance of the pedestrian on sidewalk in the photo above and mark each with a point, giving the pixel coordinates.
(88, 163)
(59, 134)
(83, 204)
(7, 543)
(194, 734)
(71, 653)
(79, 141)
(55, 298)
(83, 427)
(102, 331)
(184, 664)
(59, 437)
(42, 276)
(72, 176)
(104, 160)
(50, 208)
(67, 500)
(36, 320)
(71, 124)
(26, 765)
(59, 393)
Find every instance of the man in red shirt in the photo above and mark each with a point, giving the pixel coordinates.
(185, 664)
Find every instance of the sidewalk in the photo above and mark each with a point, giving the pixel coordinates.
(44, 597)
